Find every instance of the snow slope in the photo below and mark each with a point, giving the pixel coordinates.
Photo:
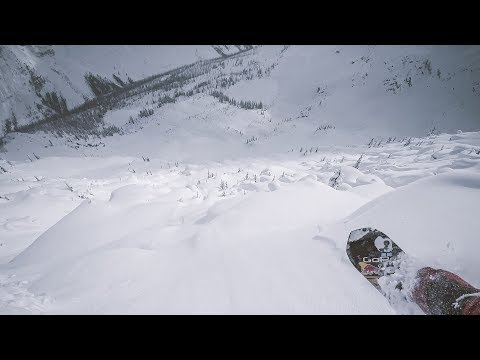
(388, 90)
(63, 67)
(261, 235)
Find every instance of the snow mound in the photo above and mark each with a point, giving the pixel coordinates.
(246, 254)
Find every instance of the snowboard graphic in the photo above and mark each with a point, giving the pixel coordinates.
(391, 271)
(373, 254)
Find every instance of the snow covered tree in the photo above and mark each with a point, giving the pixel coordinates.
(428, 66)
(357, 164)
(55, 102)
(223, 185)
(336, 179)
(7, 127)
(14, 122)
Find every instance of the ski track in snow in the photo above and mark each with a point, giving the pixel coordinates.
(238, 236)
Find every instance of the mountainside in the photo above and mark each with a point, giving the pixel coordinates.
(29, 73)
(271, 98)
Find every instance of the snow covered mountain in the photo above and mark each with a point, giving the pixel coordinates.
(29, 73)
(226, 179)
(267, 94)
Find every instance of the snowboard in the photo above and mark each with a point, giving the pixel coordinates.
(374, 255)
(391, 271)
